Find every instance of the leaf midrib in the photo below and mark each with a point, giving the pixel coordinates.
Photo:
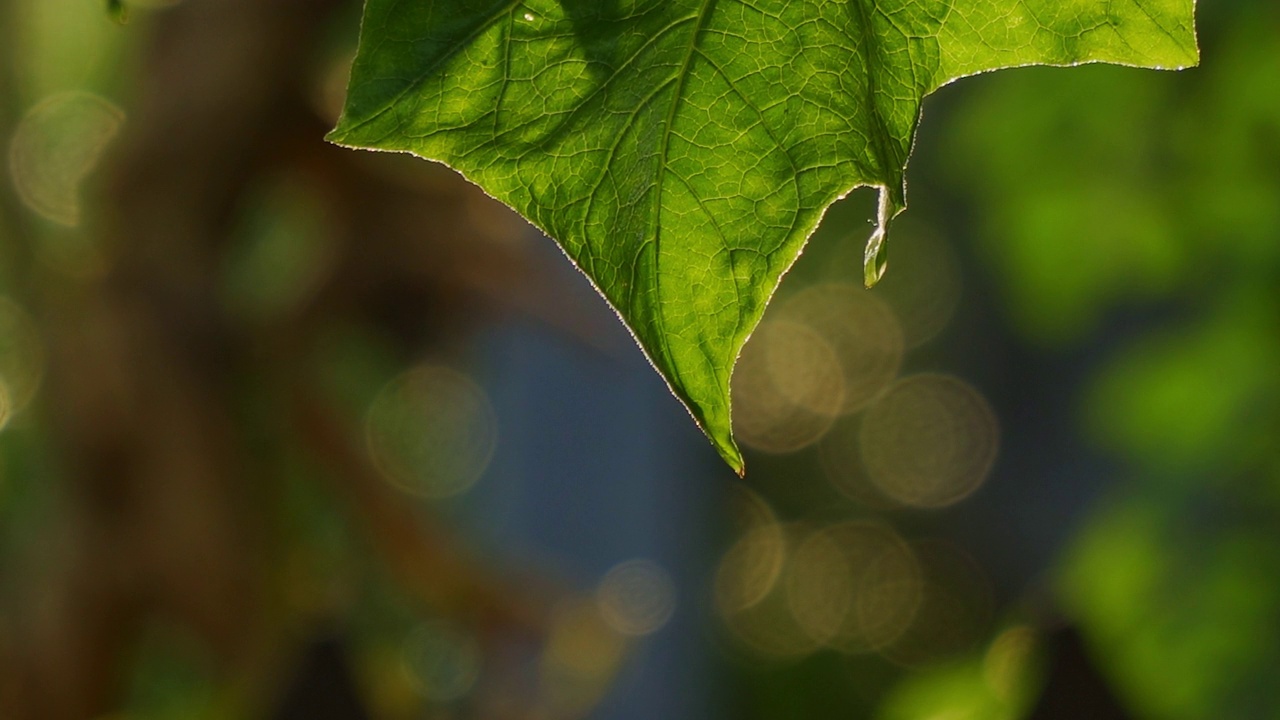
(664, 146)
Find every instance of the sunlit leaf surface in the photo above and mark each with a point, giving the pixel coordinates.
(682, 151)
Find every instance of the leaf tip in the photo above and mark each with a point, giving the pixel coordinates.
(337, 136)
(729, 452)
(733, 456)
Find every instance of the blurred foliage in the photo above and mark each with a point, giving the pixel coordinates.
(1149, 214)
(187, 570)
(1132, 223)
(1109, 187)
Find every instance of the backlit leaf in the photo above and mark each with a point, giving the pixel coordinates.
(682, 151)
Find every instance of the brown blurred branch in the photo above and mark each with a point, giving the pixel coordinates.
(168, 503)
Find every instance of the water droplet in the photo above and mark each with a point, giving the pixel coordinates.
(876, 258)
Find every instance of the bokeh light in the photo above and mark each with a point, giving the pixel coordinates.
(929, 442)
(21, 360)
(55, 146)
(584, 653)
(766, 628)
(788, 388)
(747, 509)
(841, 460)
(442, 661)
(887, 586)
(819, 586)
(925, 285)
(751, 568)
(432, 431)
(854, 587)
(955, 606)
(862, 332)
(636, 597)
(754, 560)
(392, 690)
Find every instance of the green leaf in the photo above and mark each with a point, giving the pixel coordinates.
(682, 151)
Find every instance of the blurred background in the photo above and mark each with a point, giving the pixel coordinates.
(290, 431)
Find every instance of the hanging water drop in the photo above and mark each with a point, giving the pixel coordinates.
(876, 258)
